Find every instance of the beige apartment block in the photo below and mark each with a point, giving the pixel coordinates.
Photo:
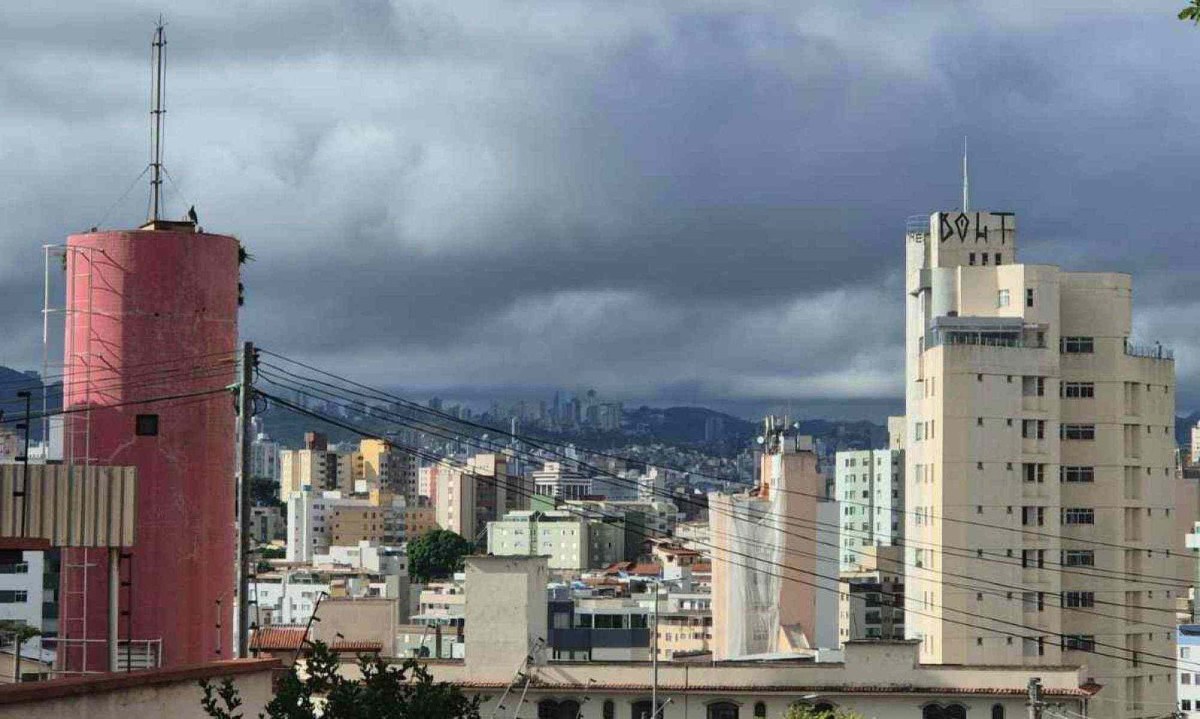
(485, 490)
(1039, 465)
(763, 592)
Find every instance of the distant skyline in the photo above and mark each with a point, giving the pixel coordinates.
(675, 204)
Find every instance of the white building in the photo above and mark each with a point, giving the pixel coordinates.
(554, 480)
(317, 521)
(23, 598)
(825, 634)
(1041, 449)
(1187, 674)
(870, 485)
(875, 679)
(571, 541)
(1194, 456)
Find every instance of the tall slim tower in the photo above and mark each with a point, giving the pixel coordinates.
(153, 313)
(1040, 458)
(763, 594)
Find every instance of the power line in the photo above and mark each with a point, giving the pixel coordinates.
(1135, 658)
(380, 394)
(1008, 594)
(966, 554)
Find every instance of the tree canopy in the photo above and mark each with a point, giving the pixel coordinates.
(438, 553)
(383, 692)
(1191, 12)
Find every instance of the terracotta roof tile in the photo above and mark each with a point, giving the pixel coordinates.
(289, 638)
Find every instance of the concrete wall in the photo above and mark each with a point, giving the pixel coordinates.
(506, 608)
(170, 693)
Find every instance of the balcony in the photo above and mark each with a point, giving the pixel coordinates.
(1148, 351)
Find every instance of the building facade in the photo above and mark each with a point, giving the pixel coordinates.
(764, 597)
(573, 543)
(1039, 457)
(554, 480)
(870, 486)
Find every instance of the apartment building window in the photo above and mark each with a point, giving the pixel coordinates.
(1078, 431)
(1033, 558)
(1078, 345)
(1078, 390)
(1079, 599)
(1031, 516)
(146, 425)
(1033, 472)
(1079, 642)
(971, 258)
(1078, 515)
(1033, 386)
(1002, 298)
(1033, 601)
(1072, 473)
(1079, 558)
(983, 258)
(13, 596)
(1029, 297)
(1033, 428)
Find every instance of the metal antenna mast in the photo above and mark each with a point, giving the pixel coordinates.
(966, 180)
(156, 117)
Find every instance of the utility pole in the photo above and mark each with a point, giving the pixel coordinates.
(245, 400)
(24, 459)
(654, 656)
(1035, 703)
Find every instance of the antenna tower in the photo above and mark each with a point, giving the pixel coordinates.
(156, 117)
(966, 180)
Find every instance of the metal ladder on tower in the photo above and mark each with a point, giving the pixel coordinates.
(77, 432)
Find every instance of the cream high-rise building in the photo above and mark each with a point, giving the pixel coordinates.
(1040, 458)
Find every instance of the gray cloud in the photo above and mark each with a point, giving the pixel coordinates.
(696, 203)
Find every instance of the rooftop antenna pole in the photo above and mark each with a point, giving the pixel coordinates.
(966, 180)
(156, 116)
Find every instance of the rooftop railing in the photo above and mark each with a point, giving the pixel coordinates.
(1154, 351)
(916, 225)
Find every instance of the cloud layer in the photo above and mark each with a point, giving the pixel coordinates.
(668, 202)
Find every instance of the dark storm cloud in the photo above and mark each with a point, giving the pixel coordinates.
(695, 202)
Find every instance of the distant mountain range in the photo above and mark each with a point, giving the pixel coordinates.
(685, 426)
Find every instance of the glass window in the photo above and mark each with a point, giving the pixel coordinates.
(1079, 642)
(1078, 345)
(722, 710)
(1078, 515)
(1079, 558)
(1078, 431)
(1072, 473)
(1078, 390)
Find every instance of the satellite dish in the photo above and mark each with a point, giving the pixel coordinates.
(761, 439)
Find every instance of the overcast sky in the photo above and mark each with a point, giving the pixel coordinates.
(671, 202)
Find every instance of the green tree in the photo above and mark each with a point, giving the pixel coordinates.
(383, 692)
(21, 633)
(804, 711)
(437, 554)
(1191, 12)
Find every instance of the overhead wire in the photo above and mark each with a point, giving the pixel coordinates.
(1097, 573)
(1136, 656)
(381, 394)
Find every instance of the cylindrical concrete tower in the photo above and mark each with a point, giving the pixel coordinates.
(152, 313)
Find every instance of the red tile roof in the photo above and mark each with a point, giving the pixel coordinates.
(289, 638)
(276, 638)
